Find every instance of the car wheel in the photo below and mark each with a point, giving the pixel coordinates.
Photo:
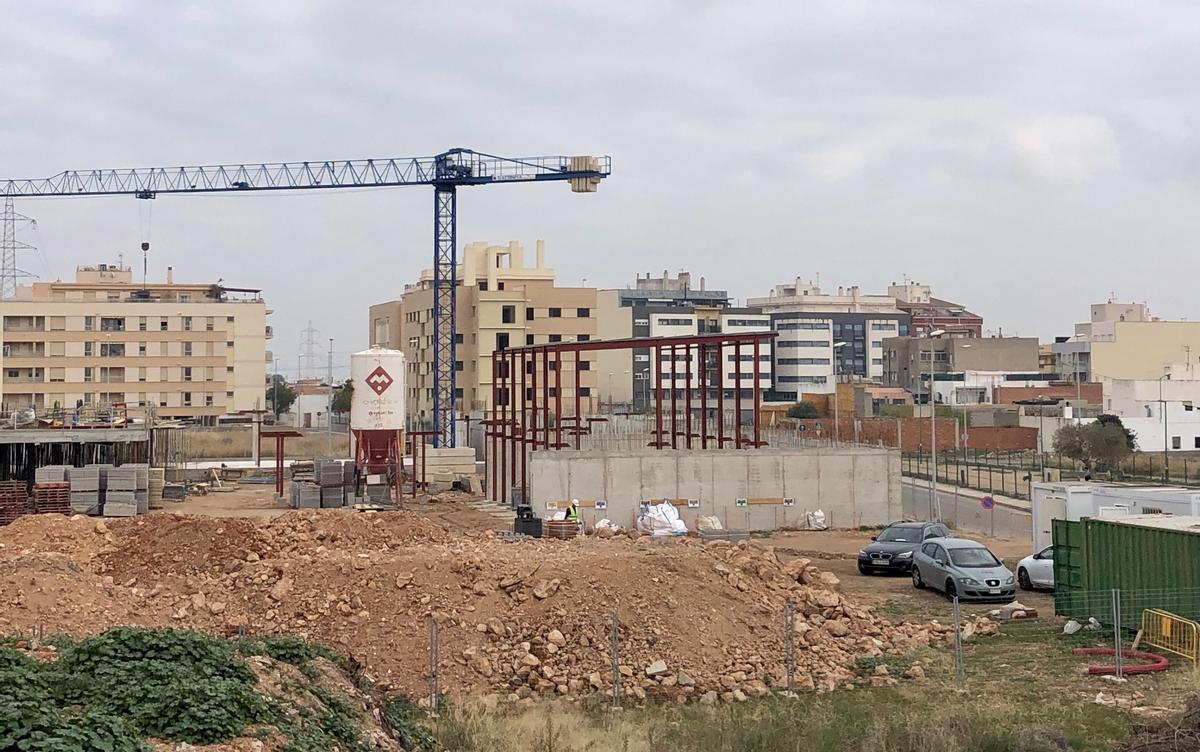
(1023, 579)
(918, 583)
(951, 590)
(864, 571)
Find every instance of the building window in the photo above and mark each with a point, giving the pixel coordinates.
(208, 324)
(187, 374)
(1175, 442)
(583, 338)
(187, 399)
(555, 338)
(585, 365)
(458, 366)
(674, 322)
(747, 322)
(229, 369)
(583, 313)
(87, 349)
(556, 313)
(585, 391)
(141, 323)
(58, 374)
(229, 343)
(508, 314)
(529, 339)
(482, 285)
(162, 324)
(641, 322)
(185, 297)
(187, 323)
(141, 374)
(89, 323)
(502, 340)
(208, 399)
(112, 325)
(458, 338)
(87, 373)
(112, 349)
(228, 319)
(529, 314)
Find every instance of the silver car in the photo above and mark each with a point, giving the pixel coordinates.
(961, 567)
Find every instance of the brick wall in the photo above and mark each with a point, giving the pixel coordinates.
(1002, 437)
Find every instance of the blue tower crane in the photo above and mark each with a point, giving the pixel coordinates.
(446, 172)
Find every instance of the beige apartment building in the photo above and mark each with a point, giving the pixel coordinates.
(501, 303)
(189, 351)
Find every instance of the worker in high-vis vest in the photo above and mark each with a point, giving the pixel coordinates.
(572, 511)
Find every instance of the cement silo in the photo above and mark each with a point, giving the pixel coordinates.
(377, 413)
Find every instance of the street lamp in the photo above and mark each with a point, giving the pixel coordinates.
(837, 416)
(1162, 406)
(932, 426)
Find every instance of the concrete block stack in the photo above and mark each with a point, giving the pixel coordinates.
(51, 474)
(141, 491)
(348, 481)
(306, 496)
(330, 476)
(154, 488)
(445, 465)
(52, 498)
(14, 500)
(85, 489)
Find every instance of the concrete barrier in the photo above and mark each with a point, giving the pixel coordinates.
(763, 489)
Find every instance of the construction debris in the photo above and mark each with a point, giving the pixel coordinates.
(698, 622)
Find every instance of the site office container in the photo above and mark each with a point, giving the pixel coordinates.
(1153, 560)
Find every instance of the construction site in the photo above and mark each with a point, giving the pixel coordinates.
(502, 577)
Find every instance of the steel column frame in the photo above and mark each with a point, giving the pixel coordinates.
(528, 422)
(757, 398)
(511, 425)
(445, 295)
(737, 395)
(703, 396)
(658, 405)
(674, 403)
(490, 431)
(545, 400)
(720, 396)
(558, 368)
(578, 412)
(687, 396)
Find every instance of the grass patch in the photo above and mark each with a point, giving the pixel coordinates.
(875, 719)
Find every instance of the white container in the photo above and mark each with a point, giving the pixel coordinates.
(378, 400)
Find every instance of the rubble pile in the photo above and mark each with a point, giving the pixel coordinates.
(698, 621)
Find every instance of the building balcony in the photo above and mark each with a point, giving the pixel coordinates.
(269, 332)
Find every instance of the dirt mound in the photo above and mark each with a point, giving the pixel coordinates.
(516, 619)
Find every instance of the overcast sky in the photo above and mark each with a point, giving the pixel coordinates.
(1025, 159)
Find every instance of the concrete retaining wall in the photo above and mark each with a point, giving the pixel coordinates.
(853, 485)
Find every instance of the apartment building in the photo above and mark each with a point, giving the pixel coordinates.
(965, 370)
(651, 308)
(681, 372)
(826, 338)
(501, 303)
(929, 314)
(186, 351)
(1122, 341)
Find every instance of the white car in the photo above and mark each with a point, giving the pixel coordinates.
(1037, 570)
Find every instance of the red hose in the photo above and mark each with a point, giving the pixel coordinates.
(1155, 662)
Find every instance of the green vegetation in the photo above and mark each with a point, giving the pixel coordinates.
(1102, 445)
(342, 395)
(280, 396)
(803, 409)
(111, 691)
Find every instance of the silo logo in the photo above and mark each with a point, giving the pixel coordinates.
(379, 380)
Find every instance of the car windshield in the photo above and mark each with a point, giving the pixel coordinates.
(973, 557)
(900, 535)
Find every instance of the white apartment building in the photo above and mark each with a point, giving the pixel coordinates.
(189, 351)
(824, 338)
(683, 370)
(1162, 412)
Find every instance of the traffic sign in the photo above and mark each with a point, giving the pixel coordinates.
(987, 502)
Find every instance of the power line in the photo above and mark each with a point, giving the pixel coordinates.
(9, 247)
(308, 361)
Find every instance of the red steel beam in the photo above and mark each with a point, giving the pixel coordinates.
(658, 406)
(720, 397)
(578, 425)
(757, 400)
(687, 395)
(737, 395)
(674, 404)
(703, 396)
(545, 400)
